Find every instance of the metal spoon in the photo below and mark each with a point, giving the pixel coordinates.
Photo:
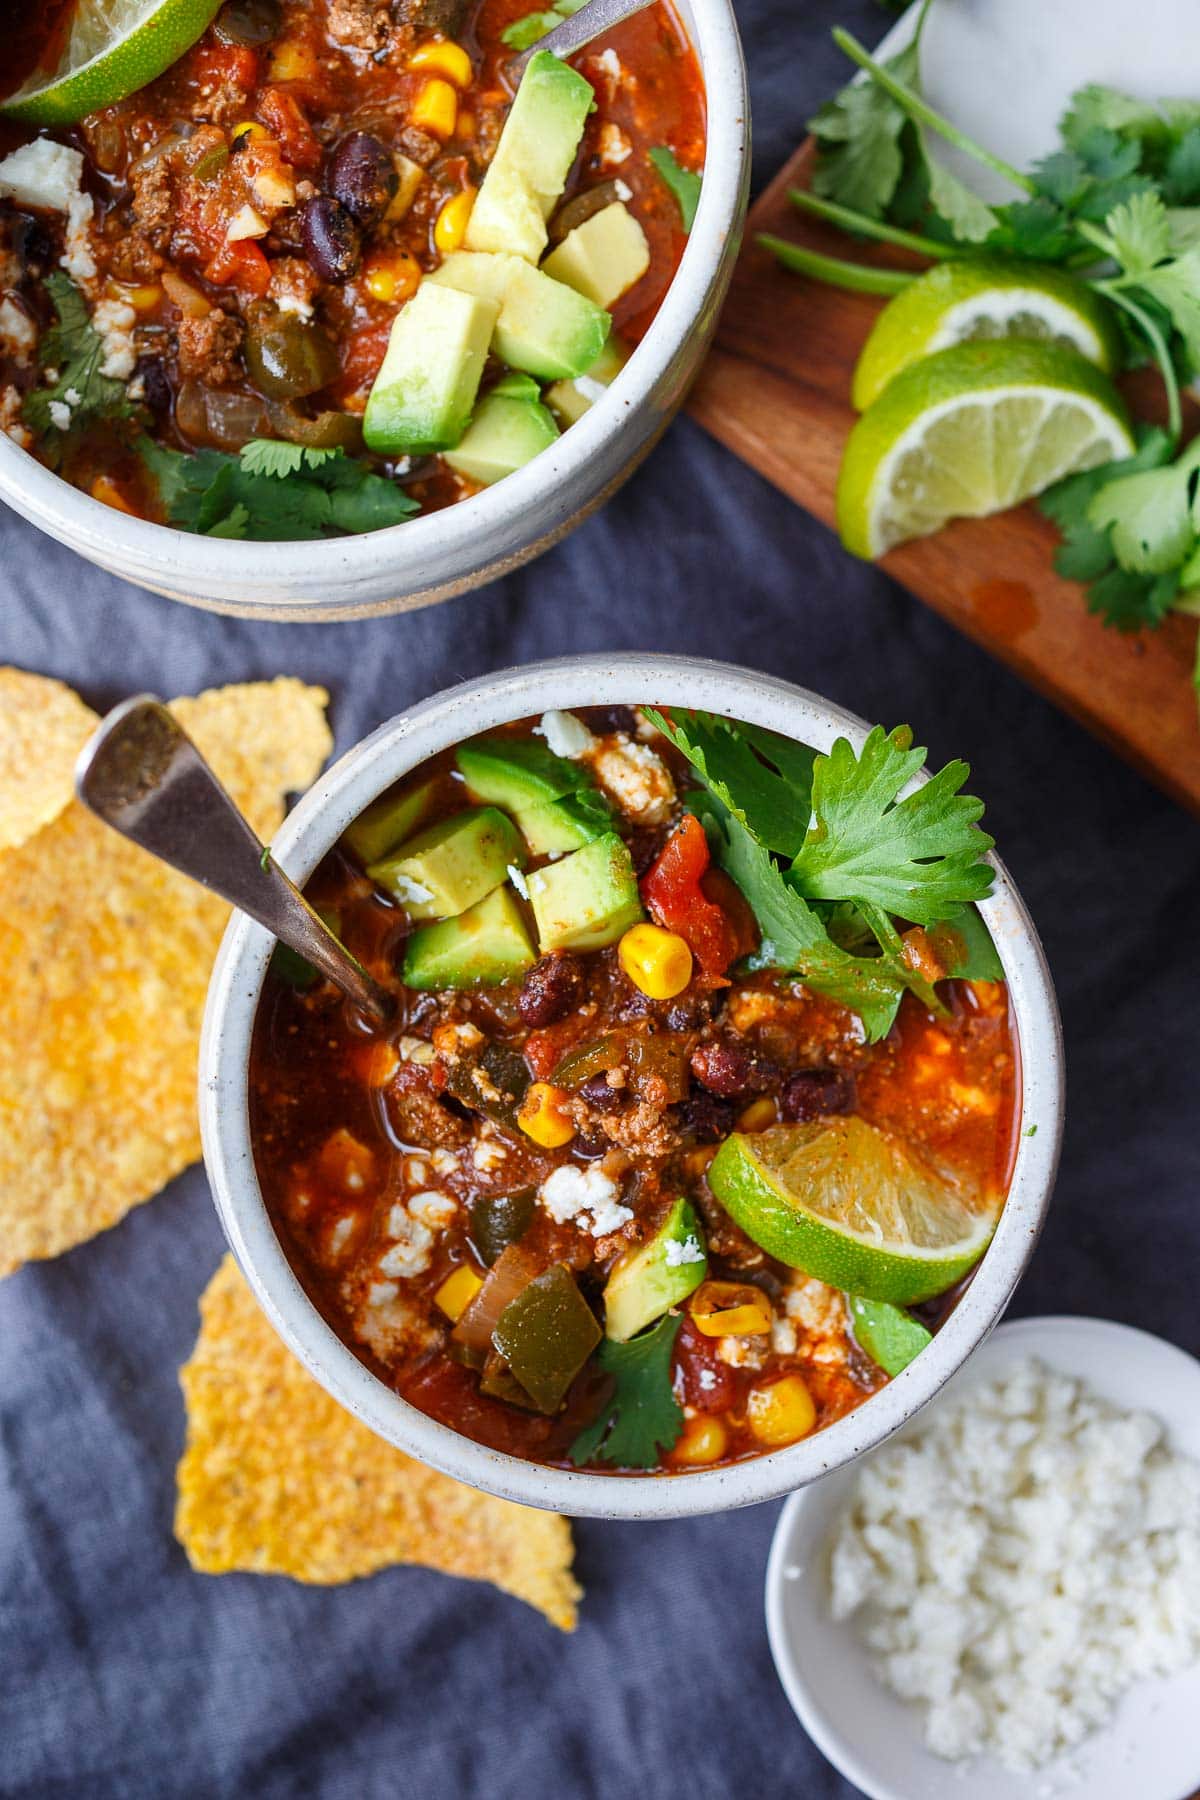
(591, 21)
(142, 774)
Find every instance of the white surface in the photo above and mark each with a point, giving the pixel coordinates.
(1152, 1749)
(237, 980)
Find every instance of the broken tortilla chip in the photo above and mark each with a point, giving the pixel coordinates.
(43, 727)
(104, 962)
(278, 1479)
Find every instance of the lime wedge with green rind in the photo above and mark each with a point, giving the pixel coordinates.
(890, 1336)
(850, 1205)
(983, 298)
(115, 48)
(969, 432)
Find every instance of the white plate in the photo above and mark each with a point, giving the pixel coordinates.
(1151, 1750)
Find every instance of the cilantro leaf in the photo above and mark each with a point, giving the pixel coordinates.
(1148, 515)
(642, 1417)
(765, 779)
(859, 156)
(1176, 285)
(685, 184)
(81, 395)
(1181, 173)
(1140, 232)
(526, 31)
(270, 456)
(970, 219)
(967, 951)
(273, 492)
(1130, 602)
(920, 857)
(1102, 108)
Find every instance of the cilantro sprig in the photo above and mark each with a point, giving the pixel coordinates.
(527, 30)
(856, 853)
(273, 491)
(641, 1417)
(80, 394)
(683, 183)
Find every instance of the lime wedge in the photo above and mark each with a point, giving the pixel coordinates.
(890, 1336)
(115, 47)
(850, 1205)
(959, 302)
(970, 431)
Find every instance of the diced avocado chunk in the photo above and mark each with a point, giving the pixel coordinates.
(569, 400)
(588, 899)
(517, 773)
(503, 436)
(890, 1336)
(653, 1277)
(422, 397)
(543, 327)
(388, 821)
(603, 257)
(456, 862)
(482, 947)
(514, 386)
(566, 824)
(532, 160)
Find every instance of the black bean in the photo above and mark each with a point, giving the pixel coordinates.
(33, 245)
(597, 1092)
(249, 22)
(550, 989)
(813, 1093)
(332, 242)
(362, 176)
(155, 386)
(731, 1069)
(703, 1118)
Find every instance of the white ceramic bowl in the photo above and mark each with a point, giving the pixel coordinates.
(431, 558)
(237, 980)
(1150, 1749)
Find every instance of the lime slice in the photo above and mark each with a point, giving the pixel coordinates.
(890, 1336)
(848, 1204)
(115, 47)
(958, 302)
(970, 431)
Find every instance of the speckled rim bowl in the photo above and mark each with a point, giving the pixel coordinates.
(309, 833)
(448, 552)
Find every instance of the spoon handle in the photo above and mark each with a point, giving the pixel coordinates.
(591, 21)
(141, 773)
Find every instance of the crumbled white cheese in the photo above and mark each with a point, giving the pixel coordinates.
(610, 62)
(743, 1352)
(60, 415)
(390, 1325)
(637, 779)
(10, 418)
(444, 1162)
(488, 1154)
(416, 1050)
(42, 173)
(565, 735)
(416, 1170)
(115, 320)
(77, 258)
(404, 888)
(689, 1251)
(783, 1337)
(18, 333)
(588, 1196)
(1021, 1562)
(615, 147)
(433, 1208)
(340, 1235)
(518, 880)
(623, 191)
(295, 303)
(409, 1255)
(380, 1292)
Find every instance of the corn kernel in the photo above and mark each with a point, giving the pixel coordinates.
(436, 108)
(392, 276)
(702, 1440)
(447, 59)
(410, 175)
(656, 961)
(143, 299)
(730, 1309)
(451, 226)
(249, 131)
(543, 1116)
(109, 494)
(457, 1292)
(781, 1411)
(377, 1063)
(758, 1115)
(294, 62)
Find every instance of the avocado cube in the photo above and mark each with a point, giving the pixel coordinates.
(422, 397)
(531, 163)
(456, 862)
(503, 436)
(603, 257)
(543, 327)
(648, 1280)
(569, 400)
(517, 773)
(565, 824)
(482, 947)
(588, 899)
(387, 822)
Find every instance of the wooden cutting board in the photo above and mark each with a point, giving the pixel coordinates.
(776, 390)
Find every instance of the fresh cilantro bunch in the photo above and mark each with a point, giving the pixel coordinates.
(79, 395)
(642, 1414)
(272, 491)
(828, 856)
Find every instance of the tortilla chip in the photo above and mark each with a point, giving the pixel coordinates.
(43, 727)
(104, 960)
(278, 1479)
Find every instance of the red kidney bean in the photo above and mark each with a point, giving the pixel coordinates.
(731, 1069)
(332, 241)
(551, 988)
(362, 177)
(814, 1093)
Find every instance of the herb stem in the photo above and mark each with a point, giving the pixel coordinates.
(856, 278)
(924, 114)
(1158, 344)
(850, 220)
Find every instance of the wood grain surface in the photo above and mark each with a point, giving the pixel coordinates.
(776, 390)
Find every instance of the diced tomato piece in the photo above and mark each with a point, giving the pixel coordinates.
(241, 265)
(709, 1384)
(226, 66)
(447, 1392)
(282, 113)
(673, 894)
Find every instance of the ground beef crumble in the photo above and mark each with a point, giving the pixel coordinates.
(208, 347)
